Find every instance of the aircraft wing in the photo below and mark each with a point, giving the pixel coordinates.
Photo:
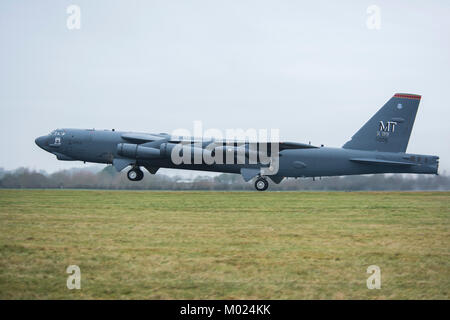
(282, 145)
(295, 145)
(146, 137)
(382, 162)
(141, 137)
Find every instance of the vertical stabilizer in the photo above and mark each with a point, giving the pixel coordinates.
(390, 128)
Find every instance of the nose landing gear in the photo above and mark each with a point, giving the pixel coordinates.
(135, 174)
(261, 184)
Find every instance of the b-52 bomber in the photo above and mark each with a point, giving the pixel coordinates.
(379, 146)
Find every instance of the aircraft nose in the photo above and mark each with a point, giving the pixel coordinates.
(40, 141)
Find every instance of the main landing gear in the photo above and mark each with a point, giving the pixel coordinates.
(135, 174)
(261, 184)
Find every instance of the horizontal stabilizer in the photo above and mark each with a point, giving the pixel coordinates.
(383, 162)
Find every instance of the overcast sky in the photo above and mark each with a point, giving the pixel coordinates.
(312, 69)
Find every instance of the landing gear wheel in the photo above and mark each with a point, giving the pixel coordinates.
(261, 184)
(140, 175)
(135, 174)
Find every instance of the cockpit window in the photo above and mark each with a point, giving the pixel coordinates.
(58, 132)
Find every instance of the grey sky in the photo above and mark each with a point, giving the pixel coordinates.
(312, 69)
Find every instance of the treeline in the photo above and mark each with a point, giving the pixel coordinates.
(108, 178)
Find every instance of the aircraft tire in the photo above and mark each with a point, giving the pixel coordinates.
(261, 184)
(135, 174)
(140, 175)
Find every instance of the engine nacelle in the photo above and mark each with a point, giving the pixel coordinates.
(166, 150)
(180, 150)
(135, 151)
(240, 151)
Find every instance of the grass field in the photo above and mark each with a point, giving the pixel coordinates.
(231, 245)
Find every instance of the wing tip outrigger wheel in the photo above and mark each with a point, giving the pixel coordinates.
(135, 174)
(261, 184)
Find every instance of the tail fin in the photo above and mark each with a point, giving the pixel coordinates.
(390, 128)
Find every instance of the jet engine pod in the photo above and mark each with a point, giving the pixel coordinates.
(182, 152)
(241, 152)
(166, 149)
(135, 151)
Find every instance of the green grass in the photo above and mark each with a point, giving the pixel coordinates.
(228, 245)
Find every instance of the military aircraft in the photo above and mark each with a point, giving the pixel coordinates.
(378, 147)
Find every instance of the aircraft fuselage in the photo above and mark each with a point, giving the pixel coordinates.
(379, 146)
(101, 147)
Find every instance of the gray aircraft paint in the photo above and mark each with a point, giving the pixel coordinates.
(378, 147)
(394, 121)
